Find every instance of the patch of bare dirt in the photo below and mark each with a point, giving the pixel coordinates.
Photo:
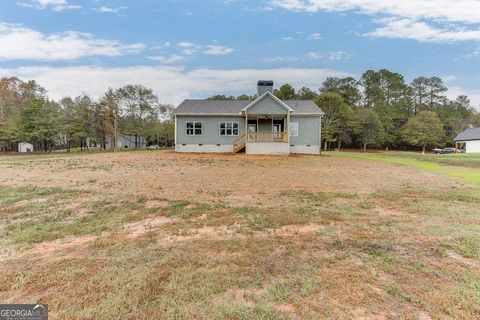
(469, 262)
(226, 233)
(242, 179)
(137, 229)
(49, 251)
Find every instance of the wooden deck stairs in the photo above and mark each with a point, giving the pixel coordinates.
(240, 143)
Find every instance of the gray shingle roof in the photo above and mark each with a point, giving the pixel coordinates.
(236, 106)
(469, 134)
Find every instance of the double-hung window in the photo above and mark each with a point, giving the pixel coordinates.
(194, 128)
(229, 128)
(293, 129)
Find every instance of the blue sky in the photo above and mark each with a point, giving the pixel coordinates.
(194, 49)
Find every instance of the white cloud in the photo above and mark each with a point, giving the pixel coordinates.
(329, 56)
(315, 36)
(172, 84)
(55, 5)
(443, 10)
(421, 20)
(189, 49)
(171, 59)
(185, 44)
(448, 78)
(215, 50)
(416, 30)
(338, 55)
(21, 43)
(474, 54)
(313, 56)
(287, 39)
(188, 52)
(105, 9)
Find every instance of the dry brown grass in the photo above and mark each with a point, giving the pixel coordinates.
(168, 236)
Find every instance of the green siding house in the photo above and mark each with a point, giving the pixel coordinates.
(266, 125)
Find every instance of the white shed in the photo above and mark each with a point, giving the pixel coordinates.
(471, 139)
(25, 147)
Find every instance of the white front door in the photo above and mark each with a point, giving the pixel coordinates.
(277, 129)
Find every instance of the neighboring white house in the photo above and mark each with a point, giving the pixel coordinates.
(25, 147)
(471, 139)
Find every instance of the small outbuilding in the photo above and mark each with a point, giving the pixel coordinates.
(25, 147)
(470, 138)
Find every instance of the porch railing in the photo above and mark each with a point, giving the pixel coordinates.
(267, 137)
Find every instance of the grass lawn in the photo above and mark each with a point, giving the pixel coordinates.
(465, 166)
(160, 235)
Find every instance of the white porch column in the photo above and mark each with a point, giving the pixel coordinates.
(287, 129)
(246, 127)
(271, 130)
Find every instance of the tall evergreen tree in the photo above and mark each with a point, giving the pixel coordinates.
(435, 91)
(39, 123)
(347, 87)
(285, 92)
(420, 93)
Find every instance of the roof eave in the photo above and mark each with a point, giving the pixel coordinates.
(308, 114)
(207, 114)
(465, 140)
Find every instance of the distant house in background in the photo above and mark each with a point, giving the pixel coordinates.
(470, 138)
(126, 142)
(25, 147)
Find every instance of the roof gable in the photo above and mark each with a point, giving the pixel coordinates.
(267, 103)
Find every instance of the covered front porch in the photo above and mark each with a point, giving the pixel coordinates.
(266, 128)
(265, 134)
(267, 120)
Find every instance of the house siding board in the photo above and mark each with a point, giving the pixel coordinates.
(267, 106)
(264, 125)
(308, 130)
(473, 146)
(210, 130)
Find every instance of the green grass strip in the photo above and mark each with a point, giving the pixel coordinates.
(455, 168)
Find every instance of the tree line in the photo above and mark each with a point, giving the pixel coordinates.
(27, 114)
(377, 110)
(381, 110)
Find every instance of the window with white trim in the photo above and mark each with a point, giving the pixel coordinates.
(293, 129)
(194, 128)
(229, 128)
